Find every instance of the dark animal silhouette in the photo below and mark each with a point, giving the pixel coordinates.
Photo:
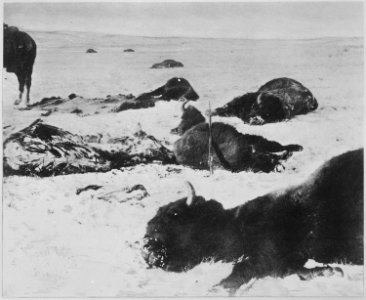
(168, 63)
(174, 89)
(271, 235)
(278, 100)
(128, 50)
(91, 51)
(231, 150)
(190, 116)
(20, 52)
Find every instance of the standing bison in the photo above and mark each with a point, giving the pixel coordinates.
(278, 100)
(271, 235)
(20, 51)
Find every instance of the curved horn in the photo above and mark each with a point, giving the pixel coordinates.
(191, 193)
(259, 98)
(185, 101)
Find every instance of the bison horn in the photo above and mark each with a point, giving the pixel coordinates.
(185, 101)
(259, 99)
(191, 193)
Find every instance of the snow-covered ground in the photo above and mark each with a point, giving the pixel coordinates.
(59, 244)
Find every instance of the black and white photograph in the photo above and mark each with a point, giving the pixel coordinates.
(182, 149)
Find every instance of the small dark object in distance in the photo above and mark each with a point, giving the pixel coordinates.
(168, 63)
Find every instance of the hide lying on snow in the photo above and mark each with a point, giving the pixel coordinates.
(86, 106)
(174, 89)
(168, 63)
(277, 100)
(231, 150)
(45, 150)
(272, 235)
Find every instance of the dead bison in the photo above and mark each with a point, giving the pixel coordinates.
(231, 150)
(168, 63)
(271, 235)
(174, 89)
(20, 52)
(277, 100)
(190, 116)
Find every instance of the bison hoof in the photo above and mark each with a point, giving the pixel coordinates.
(326, 271)
(230, 285)
(17, 102)
(279, 168)
(217, 290)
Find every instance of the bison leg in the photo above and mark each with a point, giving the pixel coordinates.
(268, 146)
(249, 269)
(28, 83)
(267, 262)
(21, 80)
(326, 271)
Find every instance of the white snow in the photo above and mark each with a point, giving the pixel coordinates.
(59, 244)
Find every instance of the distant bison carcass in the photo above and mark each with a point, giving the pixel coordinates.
(168, 63)
(174, 89)
(231, 150)
(277, 100)
(20, 52)
(272, 235)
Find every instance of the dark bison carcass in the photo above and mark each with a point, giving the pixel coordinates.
(231, 150)
(20, 52)
(271, 235)
(174, 89)
(278, 100)
(191, 116)
(168, 63)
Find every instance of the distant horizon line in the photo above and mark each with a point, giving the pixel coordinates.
(194, 37)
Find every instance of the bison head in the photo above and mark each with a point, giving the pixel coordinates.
(186, 232)
(238, 107)
(191, 116)
(266, 109)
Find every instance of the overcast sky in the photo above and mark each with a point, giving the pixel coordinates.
(230, 19)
